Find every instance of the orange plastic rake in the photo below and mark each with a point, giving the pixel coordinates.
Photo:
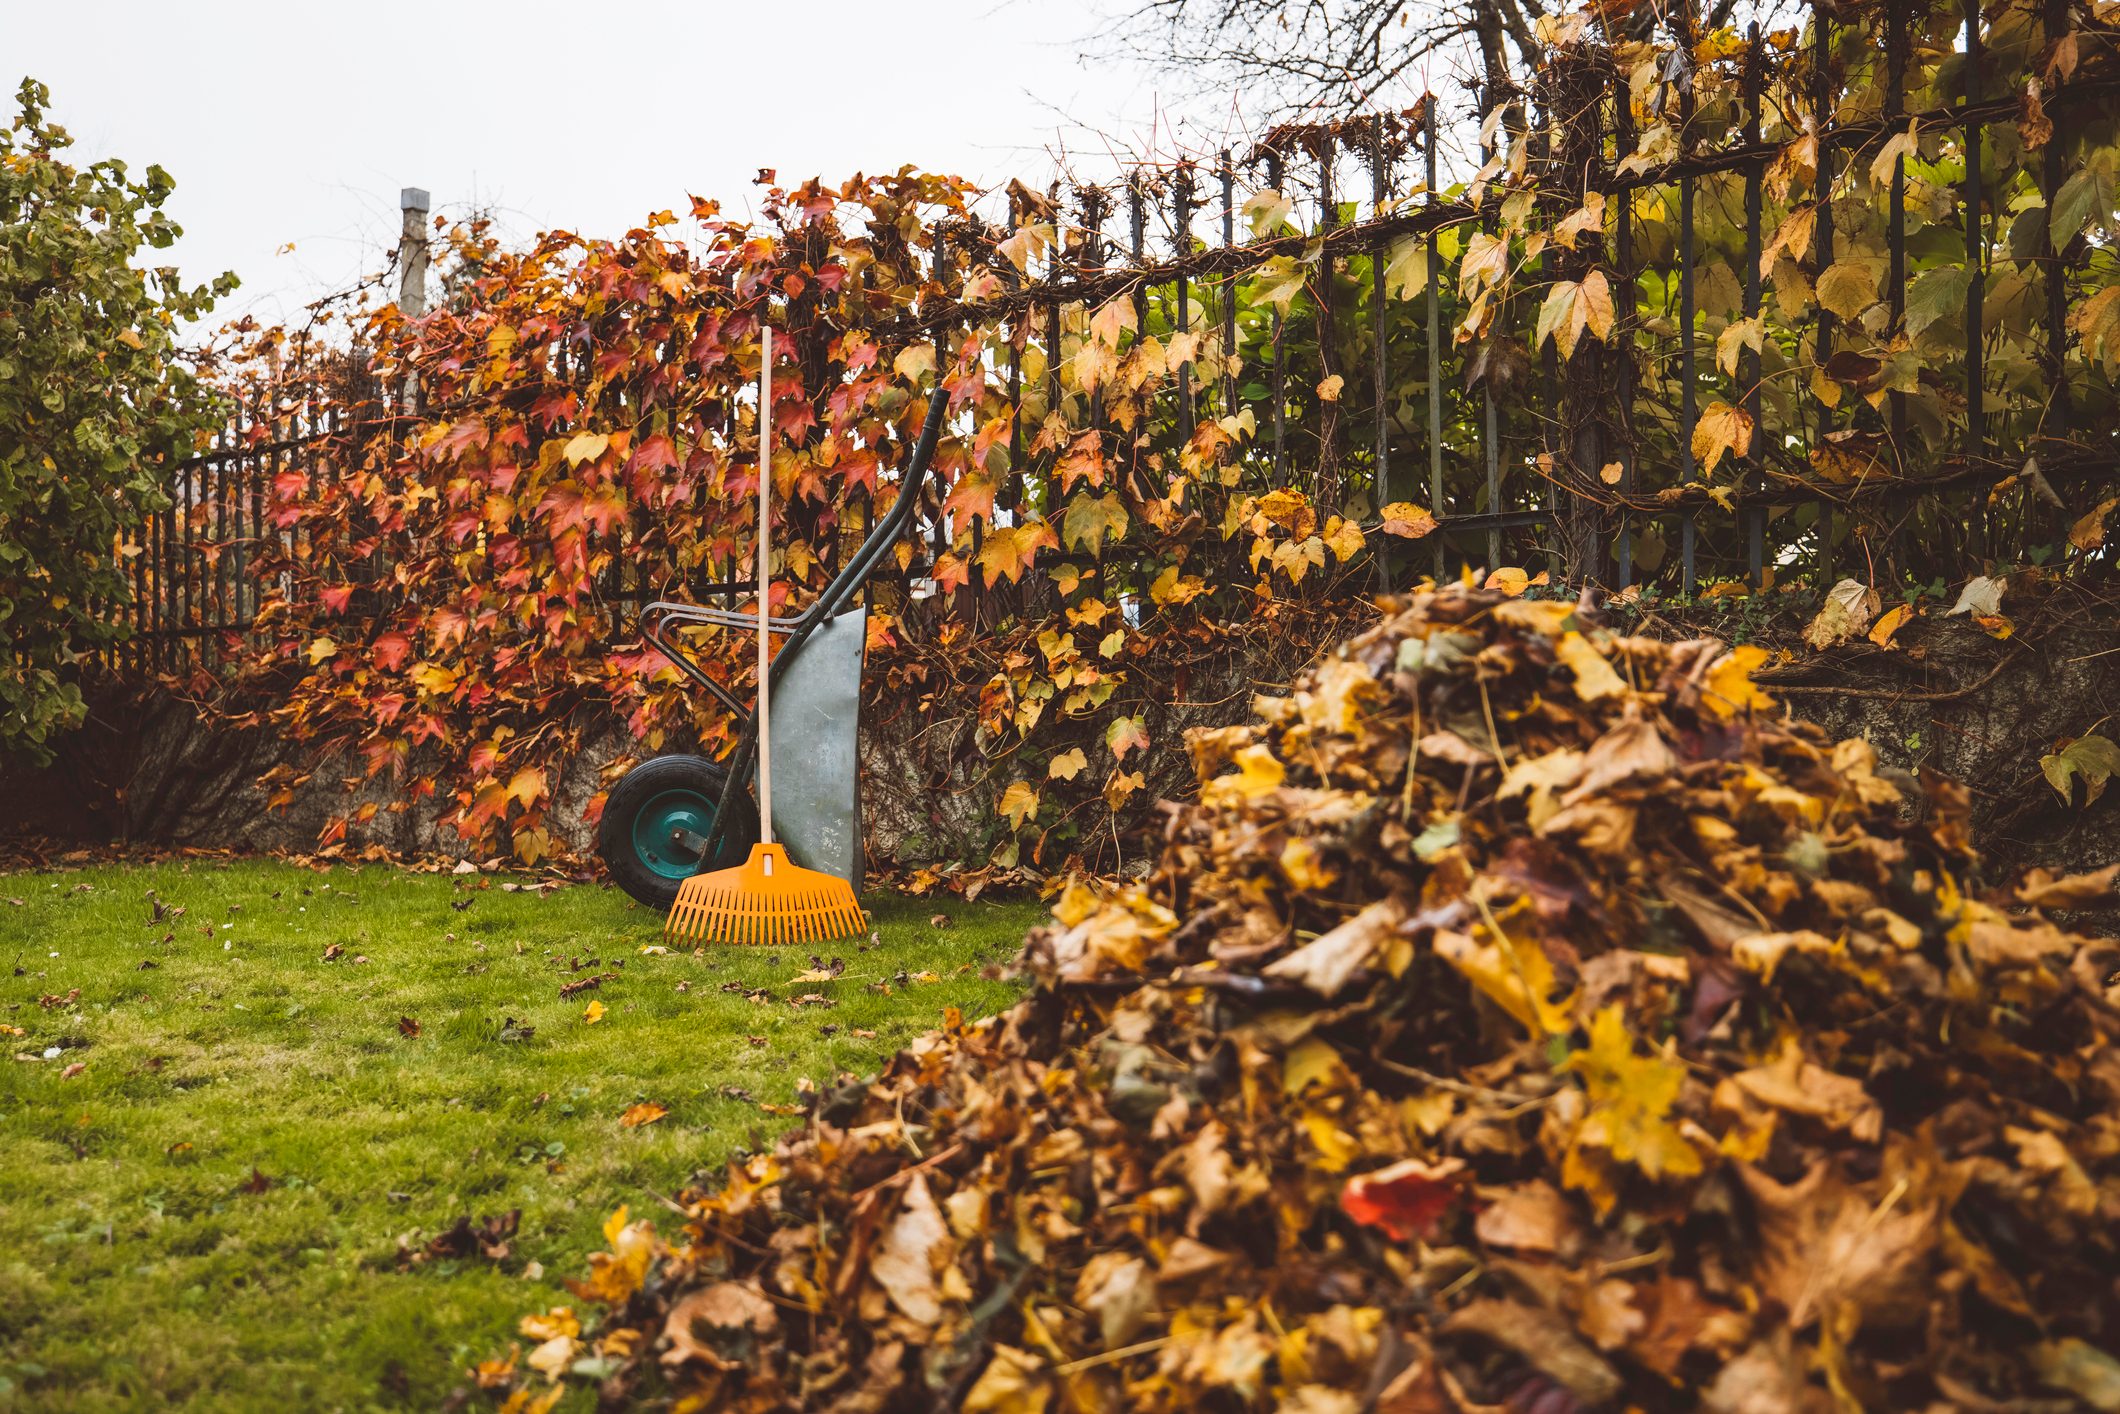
(768, 898)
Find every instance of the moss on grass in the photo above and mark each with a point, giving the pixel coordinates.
(209, 1211)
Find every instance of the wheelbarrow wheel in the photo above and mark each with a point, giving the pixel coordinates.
(655, 820)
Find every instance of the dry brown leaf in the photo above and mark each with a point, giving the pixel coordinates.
(1531, 1217)
(904, 1265)
(1826, 1246)
(1327, 963)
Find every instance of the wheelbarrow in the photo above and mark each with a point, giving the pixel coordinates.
(675, 815)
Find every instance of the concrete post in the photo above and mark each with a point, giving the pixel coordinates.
(412, 253)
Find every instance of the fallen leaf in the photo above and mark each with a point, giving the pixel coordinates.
(1531, 1217)
(1327, 963)
(1594, 675)
(695, 1320)
(1405, 1199)
(1981, 595)
(1825, 1246)
(2041, 889)
(904, 1264)
(1894, 619)
(1847, 611)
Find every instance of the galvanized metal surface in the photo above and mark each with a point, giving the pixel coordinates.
(816, 730)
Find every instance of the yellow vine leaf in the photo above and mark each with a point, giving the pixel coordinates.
(1019, 803)
(2097, 320)
(1721, 429)
(1171, 587)
(1009, 549)
(1343, 538)
(1406, 520)
(1574, 308)
(1894, 619)
(585, 447)
(1849, 287)
(1509, 580)
(1738, 334)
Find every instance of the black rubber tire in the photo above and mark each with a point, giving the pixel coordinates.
(646, 782)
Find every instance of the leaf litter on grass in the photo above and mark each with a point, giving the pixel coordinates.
(1500, 1032)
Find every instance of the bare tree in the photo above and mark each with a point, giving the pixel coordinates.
(1326, 57)
(1322, 56)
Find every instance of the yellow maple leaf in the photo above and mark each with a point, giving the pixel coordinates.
(585, 447)
(1630, 1098)
(1121, 787)
(1895, 619)
(559, 1320)
(1170, 587)
(433, 678)
(1009, 549)
(594, 1013)
(615, 1275)
(1303, 867)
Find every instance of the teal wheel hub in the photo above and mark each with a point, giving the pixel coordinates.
(660, 829)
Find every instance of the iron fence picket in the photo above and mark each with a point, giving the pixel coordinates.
(1434, 348)
(1379, 339)
(1689, 390)
(1749, 362)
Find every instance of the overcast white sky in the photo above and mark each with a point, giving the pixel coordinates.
(293, 122)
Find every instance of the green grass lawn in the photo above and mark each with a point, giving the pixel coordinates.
(203, 1193)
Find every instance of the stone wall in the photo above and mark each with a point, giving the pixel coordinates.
(145, 770)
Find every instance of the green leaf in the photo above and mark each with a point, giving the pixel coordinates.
(2095, 758)
(1936, 294)
(1406, 272)
(2090, 190)
(1089, 519)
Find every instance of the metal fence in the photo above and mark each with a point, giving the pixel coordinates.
(1584, 467)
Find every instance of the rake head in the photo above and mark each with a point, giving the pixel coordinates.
(766, 899)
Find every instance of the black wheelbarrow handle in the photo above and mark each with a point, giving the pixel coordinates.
(658, 616)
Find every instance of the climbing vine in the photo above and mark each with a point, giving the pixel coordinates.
(1137, 451)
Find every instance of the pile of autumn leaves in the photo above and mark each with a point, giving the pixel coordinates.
(1527, 1017)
